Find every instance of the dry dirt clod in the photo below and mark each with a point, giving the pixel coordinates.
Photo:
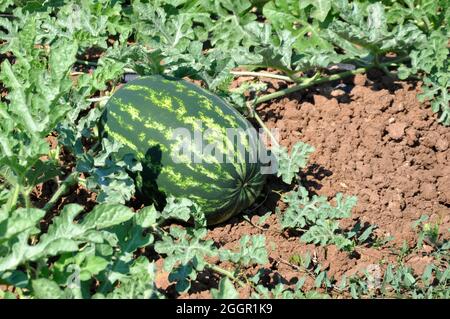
(396, 130)
(428, 190)
(411, 137)
(442, 144)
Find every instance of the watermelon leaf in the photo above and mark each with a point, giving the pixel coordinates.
(252, 250)
(185, 252)
(47, 289)
(317, 218)
(138, 284)
(226, 290)
(289, 164)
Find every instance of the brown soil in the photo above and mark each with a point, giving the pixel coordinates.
(374, 140)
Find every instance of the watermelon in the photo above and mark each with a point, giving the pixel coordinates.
(143, 116)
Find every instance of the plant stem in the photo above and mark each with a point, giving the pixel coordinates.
(70, 180)
(320, 80)
(262, 74)
(226, 273)
(261, 123)
(94, 147)
(26, 198)
(90, 63)
(128, 70)
(12, 201)
(99, 99)
(301, 86)
(254, 225)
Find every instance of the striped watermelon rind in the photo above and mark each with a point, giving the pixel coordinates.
(142, 116)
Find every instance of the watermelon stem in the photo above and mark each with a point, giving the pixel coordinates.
(85, 62)
(70, 180)
(247, 219)
(255, 115)
(316, 79)
(12, 201)
(260, 122)
(262, 74)
(99, 99)
(226, 273)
